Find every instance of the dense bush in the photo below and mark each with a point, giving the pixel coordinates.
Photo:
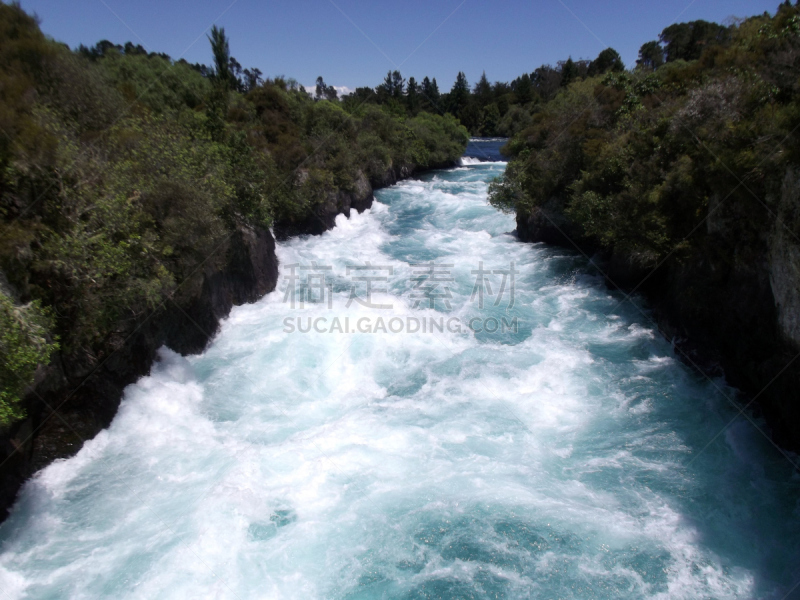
(638, 159)
(23, 346)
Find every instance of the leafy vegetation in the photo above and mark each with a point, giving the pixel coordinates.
(23, 346)
(486, 109)
(650, 163)
(123, 172)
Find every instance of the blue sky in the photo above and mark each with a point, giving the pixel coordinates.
(353, 42)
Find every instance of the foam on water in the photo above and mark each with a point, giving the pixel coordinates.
(564, 460)
(469, 160)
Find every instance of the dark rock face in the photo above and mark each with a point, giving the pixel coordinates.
(86, 390)
(342, 202)
(324, 216)
(732, 306)
(548, 224)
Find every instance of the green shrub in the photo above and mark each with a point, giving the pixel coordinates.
(636, 158)
(24, 344)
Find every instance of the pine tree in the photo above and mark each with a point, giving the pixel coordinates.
(459, 95)
(483, 91)
(569, 72)
(412, 96)
(430, 94)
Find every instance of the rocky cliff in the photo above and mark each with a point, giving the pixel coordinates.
(732, 306)
(323, 216)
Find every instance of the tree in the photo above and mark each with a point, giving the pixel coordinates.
(331, 94)
(459, 94)
(324, 91)
(491, 119)
(608, 60)
(393, 86)
(364, 94)
(252, 79)
(483, 91)
(523, 89)
(220, 48)
(546, 81)
(398, 85)
(686, 41)
(236, 75)
(412, 96)
(131, 50)
(651, 55)
(222, 82)
(430, 93)
(569, 72)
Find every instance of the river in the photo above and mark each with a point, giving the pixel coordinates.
(424, 408)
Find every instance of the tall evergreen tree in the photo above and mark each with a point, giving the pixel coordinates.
(430, 94)
(412, 96)
(398, 85)
(459, 94)
(393, 85)
(523, 89)
(483, 91)
(569, 72)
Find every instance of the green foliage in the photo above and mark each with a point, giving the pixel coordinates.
(637, 159)
(393, 86)
(686, 41)
(437, 139)
(24, 332)
(507, 193)
(220, 48)
(155, 81)
(608, 60)
(324, 91)
(651, 55)
(569, 72)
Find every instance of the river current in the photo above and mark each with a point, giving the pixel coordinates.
(424, 408)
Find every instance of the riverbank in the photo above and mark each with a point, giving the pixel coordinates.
(728, 308)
